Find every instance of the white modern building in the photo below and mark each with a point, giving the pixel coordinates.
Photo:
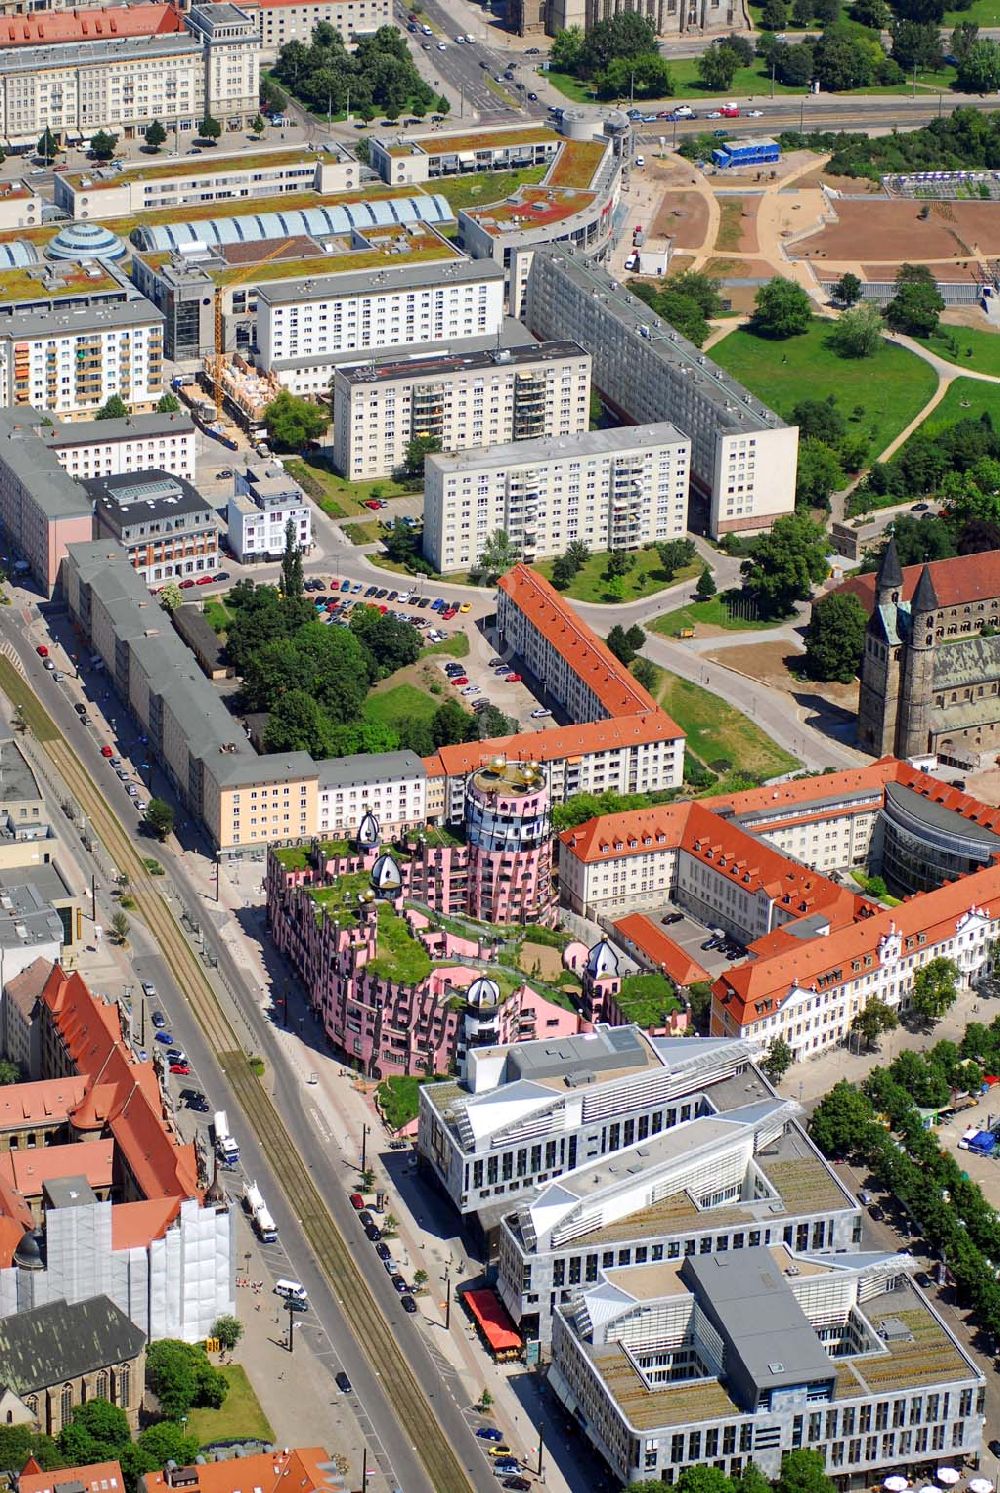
(375, 311)
(482, 397)
(70, 361)
(109, 448)
(281, 21)
(258, 513)
(390, 785)
(615, 489)
(743, 457)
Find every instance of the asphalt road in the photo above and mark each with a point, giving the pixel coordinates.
(371, 1400)
(817, 112)
(459, 66)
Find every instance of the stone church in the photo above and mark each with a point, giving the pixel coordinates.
(930, 673)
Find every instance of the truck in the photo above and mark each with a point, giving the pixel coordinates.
(226, 1148)
(253, 1202)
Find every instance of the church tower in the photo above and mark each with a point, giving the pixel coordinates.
(878, 702)
(917, 688)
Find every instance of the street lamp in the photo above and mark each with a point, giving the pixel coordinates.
(365, 1132)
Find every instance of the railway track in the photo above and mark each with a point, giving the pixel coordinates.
(372, 1331)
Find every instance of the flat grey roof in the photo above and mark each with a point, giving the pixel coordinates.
(605, 1047)
(121, 501)
(430, 364)
(28, 59)
(30, 887)
(938, 817)
(720, 389)
(138, 427)
(68, 1192)
(248, 769)
(756, 1311)
(17, 781)
(31, 461)
(378, 767)
(393, 277)
(624, 438)
(101, 317)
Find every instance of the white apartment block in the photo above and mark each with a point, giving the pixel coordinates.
(280, 21)
(108, 448)
(259, 511)
(479, 398)
(390, 785)
(743, 457)
(613, 489)
(384, 308)
(68, 362)
(78, 85)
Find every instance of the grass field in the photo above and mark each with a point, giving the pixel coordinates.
(367, 533)
(984, 348)
(337, 497)
(457, 646)
(716, 730)
(217, 614)
(966, 399)
(485, 186)
(645, 577)
(712, 613)
(891, 388)
(402, 702)
(580, 93)
(241, 1414)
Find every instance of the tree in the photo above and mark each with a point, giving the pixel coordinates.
(858, 333)
(847, 289)
(155, 1447)
(774, 15)
(443, 105)
(171, 597)
(873, 1019)
(563, 572)
(97, 1433)
(120, 928)
(113, 408)
(875, 14)
(292, 579)
(916, 44)
(717, 67)
(785, 564)
(257, 124)
(18, 1443)
(781, 309)
(979, 69)
(291, 421)
(159, 818)
(420, 1279)
(389, 643)
(228, 1330)
(627, 34)
(103, 145)
(803, 1471)
(793, 64)
(706, 587)
(9, 1072)
(171, 1376)
(493, 722)
(498, 555)
(674, 555)
(742, 46)
(819, 419)
(209, 129)
(778, 1060)
(916, 306)
(819, 474)
(835, 637)
(935, 990)
(645, 673)
(962, 39)
(156, 135)
(644, 76)
(48, 147)
(567, 49)
(844, 60)
(416, 452)
(704, 1480)
(620, 643)
(168, 404)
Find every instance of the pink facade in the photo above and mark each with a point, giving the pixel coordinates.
(509, 834)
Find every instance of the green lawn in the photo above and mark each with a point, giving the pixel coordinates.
(645, 577)
(485, 186)
(217, 614)
(240, 1416)
(401, 703)
(457, 646)
(978, 351)
(398, 1098)
(716, 730)
(399, 956)
(754, 82)
(335, 495)
(647, 999)
(966, 399)
(580, 93)
(750, 82)
(891, 388)
(713, 613)
(369, 532)
(983, 12)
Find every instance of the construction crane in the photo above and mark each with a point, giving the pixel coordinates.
(219, 360)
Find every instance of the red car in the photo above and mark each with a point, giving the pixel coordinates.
(186, 585)
(334, 585)
(461, 680)
(372, 503)
(357, 1201)
(107, 751)
(181, 1068)
(205, 580)
(382, 608)
(42, 651)
(513, 678)
(449, 613)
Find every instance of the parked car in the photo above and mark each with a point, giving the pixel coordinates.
(343, 1383)
(41, 650)
(401, 1285)
(365, 1218)
(107, 751)
(180, 1068)
(671, 918)
(373, 1233)
(357, 1201)
(382, 1250)
(513, 678)
(540, 714)
(521, 1484)
(489, 1433)
(408, 1304)
(159, 1020)
(165, 1038)
(48, 664)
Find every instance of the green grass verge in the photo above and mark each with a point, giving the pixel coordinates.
(712, 613)
(217, 614)
(644, 579)
(457, 646)
(890, 389)
(22, 697)
(366, 533)
(966, 399)
(404, 702)
(716, 729)
(483, 187)
(750, 82)
(573, 88)
(983, 12)
(398, 1098)
(337, 497)
(977, 351)
(240, 1416)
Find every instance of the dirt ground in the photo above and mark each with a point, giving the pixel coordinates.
(724, 266)
(683, 216)
(747, 209)
(832, 708)
(549, 961)
(894, 231)
(985, 785)
(853, 186)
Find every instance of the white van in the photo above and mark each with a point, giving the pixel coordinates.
(290, 1290)
(639, 161)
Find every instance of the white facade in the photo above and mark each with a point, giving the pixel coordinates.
(71, 362)
(390, 785)
(479, 398)
(280, 21)
(256, 530)
(108, 448)
(613, 490)
(175, 1286)
(388, 308)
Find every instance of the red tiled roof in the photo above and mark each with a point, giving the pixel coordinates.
(300, 1470)
(960, 579)
(28, 1171)
(96, 1477)
(45, 28)
(642, 933)
(549, 746)
(135, 1225)
(590, 659)
(48, 1101)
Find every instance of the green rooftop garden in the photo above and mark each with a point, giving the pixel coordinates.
(440, 834)
(400, 956)
(645, 999)
(340, 898)
(398, 1097)
(292, 857)
(330, 848)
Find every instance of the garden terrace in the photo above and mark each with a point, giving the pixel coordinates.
(65, 279)
(647, 999)
(443, 145)
(533, 207)
(100, 178)
(673, 1405)
(576, 163)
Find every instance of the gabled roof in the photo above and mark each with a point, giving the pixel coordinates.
(98, 24)
(136, 1225)
(964, 578)
(59, 1341)
(301, 1470)
(551, 746)
(659, 948)
(96, 1477)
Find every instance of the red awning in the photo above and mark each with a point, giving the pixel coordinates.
(494, 1320)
